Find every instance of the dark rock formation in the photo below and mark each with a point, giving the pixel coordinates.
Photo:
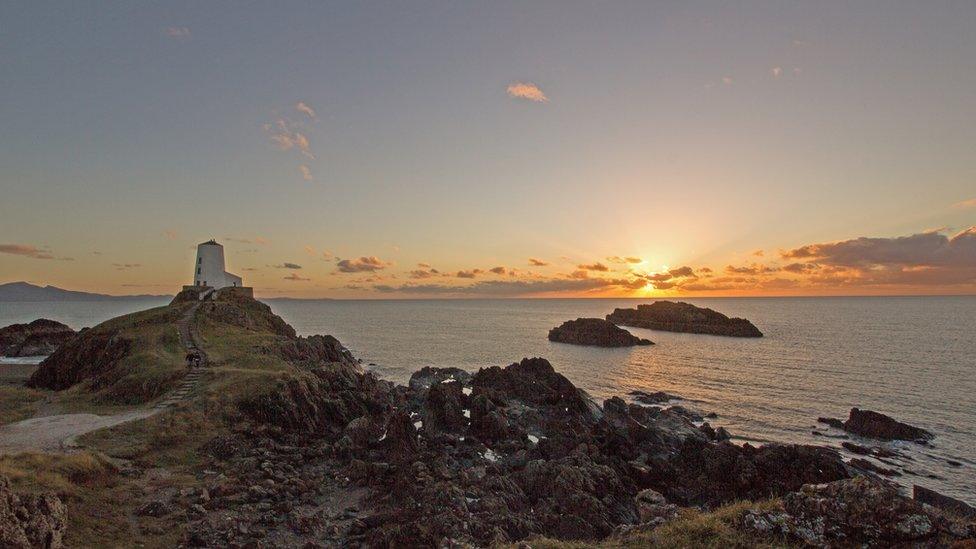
(40, 337)
(30, 520)
(90, 355)
(940, 501)
(425, 377)
(657, 397)
(867, 423)
(859, 512)
(683, 317)
(594, 331)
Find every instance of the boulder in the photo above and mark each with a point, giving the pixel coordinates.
(676, 316)
(40, 337)
(30, 521)
(867, 423)
(596, 332)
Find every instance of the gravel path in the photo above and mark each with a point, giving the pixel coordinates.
(58, 433)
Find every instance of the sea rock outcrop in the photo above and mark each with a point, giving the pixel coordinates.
(676, 316)
(40, 337)
(596, 332)
(29, 521)
(870, 424)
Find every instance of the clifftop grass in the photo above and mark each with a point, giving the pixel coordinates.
(129, 360)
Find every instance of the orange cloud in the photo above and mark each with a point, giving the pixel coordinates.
(628, 259)
(527, 90)
(302, 107)
(361, 265)
(295, 278)
(537, 262)
(594, 267)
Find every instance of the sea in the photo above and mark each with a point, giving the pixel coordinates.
(913, 358)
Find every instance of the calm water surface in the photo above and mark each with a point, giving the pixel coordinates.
(911, 357)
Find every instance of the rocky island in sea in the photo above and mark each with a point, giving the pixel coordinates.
(677, 316)
(595, 331)
(38, 338)
(245, 434)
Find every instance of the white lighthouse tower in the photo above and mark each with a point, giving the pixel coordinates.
(209, 268)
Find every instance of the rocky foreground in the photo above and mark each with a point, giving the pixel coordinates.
(40, 337)
(323, 454)
(507, 454)
(596, 332)
(676, 316)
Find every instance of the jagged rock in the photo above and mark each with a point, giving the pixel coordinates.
(677, 316)
(867, 465)
(946, 503)
(870, 424)
(93, 354)
(594, 331)
(712, 474)
(444, 407)
(867, 423)
(40, 337)
(657, 397)
(855, 512)
(428, 376)
(316, 349)
(652, 505)
(30, 521)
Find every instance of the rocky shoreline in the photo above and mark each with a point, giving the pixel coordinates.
(321, 453)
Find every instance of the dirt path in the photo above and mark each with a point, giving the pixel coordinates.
(58, 433)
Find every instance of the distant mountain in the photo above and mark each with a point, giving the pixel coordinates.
(24, 291)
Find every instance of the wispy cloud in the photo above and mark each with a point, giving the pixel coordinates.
(537, 262)
(177, 32)
(362, 264)
(26, 250)
(628, 259)
(527, 90)
(303, 107)
(471, 273)
(295, 278)
(594, 267)
(290, 134)
(287, 265)
(971, 203)
(126, 266)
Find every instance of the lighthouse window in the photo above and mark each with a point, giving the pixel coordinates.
(199, 260)
(198, 270)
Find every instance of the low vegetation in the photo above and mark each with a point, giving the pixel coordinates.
(18, 402)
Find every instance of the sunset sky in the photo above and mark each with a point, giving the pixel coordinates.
(491, 149)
